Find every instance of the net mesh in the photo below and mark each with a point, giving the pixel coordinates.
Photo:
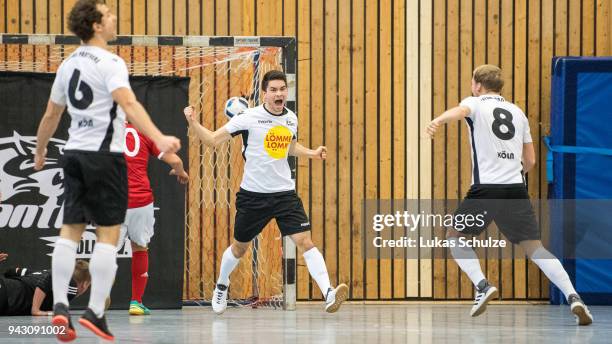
(217, 73)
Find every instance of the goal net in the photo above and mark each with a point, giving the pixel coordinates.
(219, 68)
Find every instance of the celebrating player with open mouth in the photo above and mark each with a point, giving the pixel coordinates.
(269, 134)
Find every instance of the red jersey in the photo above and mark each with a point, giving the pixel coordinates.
(137, 150)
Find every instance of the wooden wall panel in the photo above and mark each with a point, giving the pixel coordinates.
(358, 147)
(303, 103)
(344, 149)
(371, 75)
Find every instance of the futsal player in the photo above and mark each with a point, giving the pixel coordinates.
(269, 136)
(502, 152)
(91, 83)
(139, 219)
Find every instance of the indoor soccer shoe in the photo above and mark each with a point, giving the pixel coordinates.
(96, 325)
(580, 310)
(61, 318)
(219, 300)
(484, 294)
(335, 297)
(137, 308)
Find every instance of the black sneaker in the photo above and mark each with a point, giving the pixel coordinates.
(61, 319)
(96, 325)
(580, 310)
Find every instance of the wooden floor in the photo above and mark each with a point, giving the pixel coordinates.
(414, 323)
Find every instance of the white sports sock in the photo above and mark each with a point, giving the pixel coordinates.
(553, 269)
(62, 268)
(318, 270)
(102, 268)
(467, 260)
(228, 264)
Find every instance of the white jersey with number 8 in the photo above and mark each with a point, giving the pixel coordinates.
(498, 130)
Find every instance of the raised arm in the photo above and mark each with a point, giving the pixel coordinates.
(138, 116)
(455, 114)
(46, 129)
(209, 138)
(297, 150)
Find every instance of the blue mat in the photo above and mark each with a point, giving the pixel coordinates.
(581, 169)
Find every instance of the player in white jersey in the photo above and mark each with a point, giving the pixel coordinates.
(269, 136)
(91, 83)
(502, 151)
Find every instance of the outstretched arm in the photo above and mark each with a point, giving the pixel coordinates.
(209, 138)
(455, 114)
(46, 129)
(37, 300)
(297, 150)
(177, 167)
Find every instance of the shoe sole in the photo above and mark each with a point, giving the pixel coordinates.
(582, 317)
(136, 312)
(69, 335)
(219, 312)
(93, 328)
(341, 296)
(488, 298)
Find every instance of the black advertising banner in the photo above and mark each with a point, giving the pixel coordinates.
(31, 201)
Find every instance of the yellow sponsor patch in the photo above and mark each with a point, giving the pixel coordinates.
(277, 141)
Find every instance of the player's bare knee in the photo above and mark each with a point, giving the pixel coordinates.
(531, 246)
(136, 247)
(303, 241)
(72, 231)
(451, 233)
(239, 248)
(108, 234)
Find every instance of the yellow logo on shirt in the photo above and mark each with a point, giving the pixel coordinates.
(277, 141)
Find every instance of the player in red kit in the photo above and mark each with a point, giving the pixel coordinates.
(139, 220)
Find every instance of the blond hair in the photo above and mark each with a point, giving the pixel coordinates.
(489, 76)
(81, 271)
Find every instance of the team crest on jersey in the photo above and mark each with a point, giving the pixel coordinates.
(277, 141)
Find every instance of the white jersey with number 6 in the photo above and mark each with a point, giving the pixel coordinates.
(498, 130)
(84, 83)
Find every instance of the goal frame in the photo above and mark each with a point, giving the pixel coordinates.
(289, 63)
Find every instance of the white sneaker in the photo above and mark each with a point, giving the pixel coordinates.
(219, 299)
(484, 294)
(335, 297)
(580, 310)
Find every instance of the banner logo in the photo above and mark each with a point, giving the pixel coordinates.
(18, 179)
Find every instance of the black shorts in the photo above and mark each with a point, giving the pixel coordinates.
(507, 205)
(254, 211)
(95, 188)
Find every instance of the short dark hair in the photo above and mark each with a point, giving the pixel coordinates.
(82, 16)
(272, 75)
